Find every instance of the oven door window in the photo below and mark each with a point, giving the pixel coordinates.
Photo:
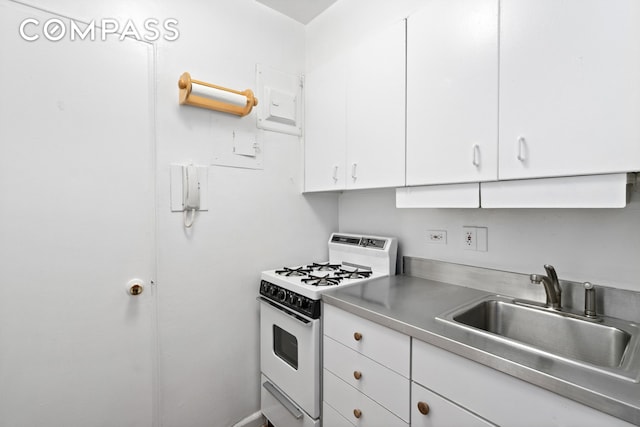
(285, 346)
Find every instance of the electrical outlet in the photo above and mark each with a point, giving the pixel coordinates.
(469, 241)
(475, 238)
(437, 236)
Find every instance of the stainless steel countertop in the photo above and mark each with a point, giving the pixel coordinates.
(411, 304)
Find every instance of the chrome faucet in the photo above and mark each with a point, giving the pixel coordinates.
(551, 286)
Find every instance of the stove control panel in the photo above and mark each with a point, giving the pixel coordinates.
(290, 299)
(365, 242)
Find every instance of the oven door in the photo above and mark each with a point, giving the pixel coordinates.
(290, 354)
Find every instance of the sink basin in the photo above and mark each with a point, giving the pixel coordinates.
(573, 338)
(610, 344)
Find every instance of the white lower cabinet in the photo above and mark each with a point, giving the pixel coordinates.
(366, 372)
(494, 396)
(431, 410)
(374, 376)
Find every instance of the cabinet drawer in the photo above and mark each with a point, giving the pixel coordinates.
(484, 391)
(380, 383)
(348, 402)
(331, 417)
(441, 412)
(386, 346)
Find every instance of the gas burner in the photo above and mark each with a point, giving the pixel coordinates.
(300, 271)
(322, 280)
(353, 274)
(324, 266)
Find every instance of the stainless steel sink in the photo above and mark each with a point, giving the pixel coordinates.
(609, 345)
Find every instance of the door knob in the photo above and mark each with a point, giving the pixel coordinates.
(135, 287)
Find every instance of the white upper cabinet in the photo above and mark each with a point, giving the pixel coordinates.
(376, 111)
(325, 128)
(355, 116)
(452, 92)
(569, 87)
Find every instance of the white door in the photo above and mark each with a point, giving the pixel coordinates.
(325, 136)
(569, 87)
(76, 224)
(376, 110)
(452, 92)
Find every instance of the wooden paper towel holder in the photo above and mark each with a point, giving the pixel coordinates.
(187, 98)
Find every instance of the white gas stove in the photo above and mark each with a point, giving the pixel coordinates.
(352, 259)
(290, 326)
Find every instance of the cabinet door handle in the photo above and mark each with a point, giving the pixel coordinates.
(476, 155)
(335, 174)
(353, 171)
(357, 336)
(357, 413)
(522, 149)
(423, 408)
(357, 375)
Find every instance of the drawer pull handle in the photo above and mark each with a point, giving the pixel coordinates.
(357, 336)
(357, 375)
(423, 408)
(357, 413)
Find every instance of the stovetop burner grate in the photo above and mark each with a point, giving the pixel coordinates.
(324, 266)
(300, 271)
(353, 274)
(325, 280)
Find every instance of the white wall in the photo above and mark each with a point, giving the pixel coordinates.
(258, 219)
(597, 245)
(208, 276)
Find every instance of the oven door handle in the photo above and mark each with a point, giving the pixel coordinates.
(295, 316)
(295, 412)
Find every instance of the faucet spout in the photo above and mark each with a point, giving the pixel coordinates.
(551, 273)
(551, 286)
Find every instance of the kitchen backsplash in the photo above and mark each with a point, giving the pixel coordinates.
(596, 245)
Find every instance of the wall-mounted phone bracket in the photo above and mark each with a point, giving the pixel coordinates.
(180, 187)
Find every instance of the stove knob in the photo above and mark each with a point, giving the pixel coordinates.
(282, 295)
(273, 290)
(299, 302)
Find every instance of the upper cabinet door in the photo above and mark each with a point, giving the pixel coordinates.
(570, 87)
(376, 111)
(452, 92)
(325, 127)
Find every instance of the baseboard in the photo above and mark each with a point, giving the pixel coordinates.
(253, 420)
